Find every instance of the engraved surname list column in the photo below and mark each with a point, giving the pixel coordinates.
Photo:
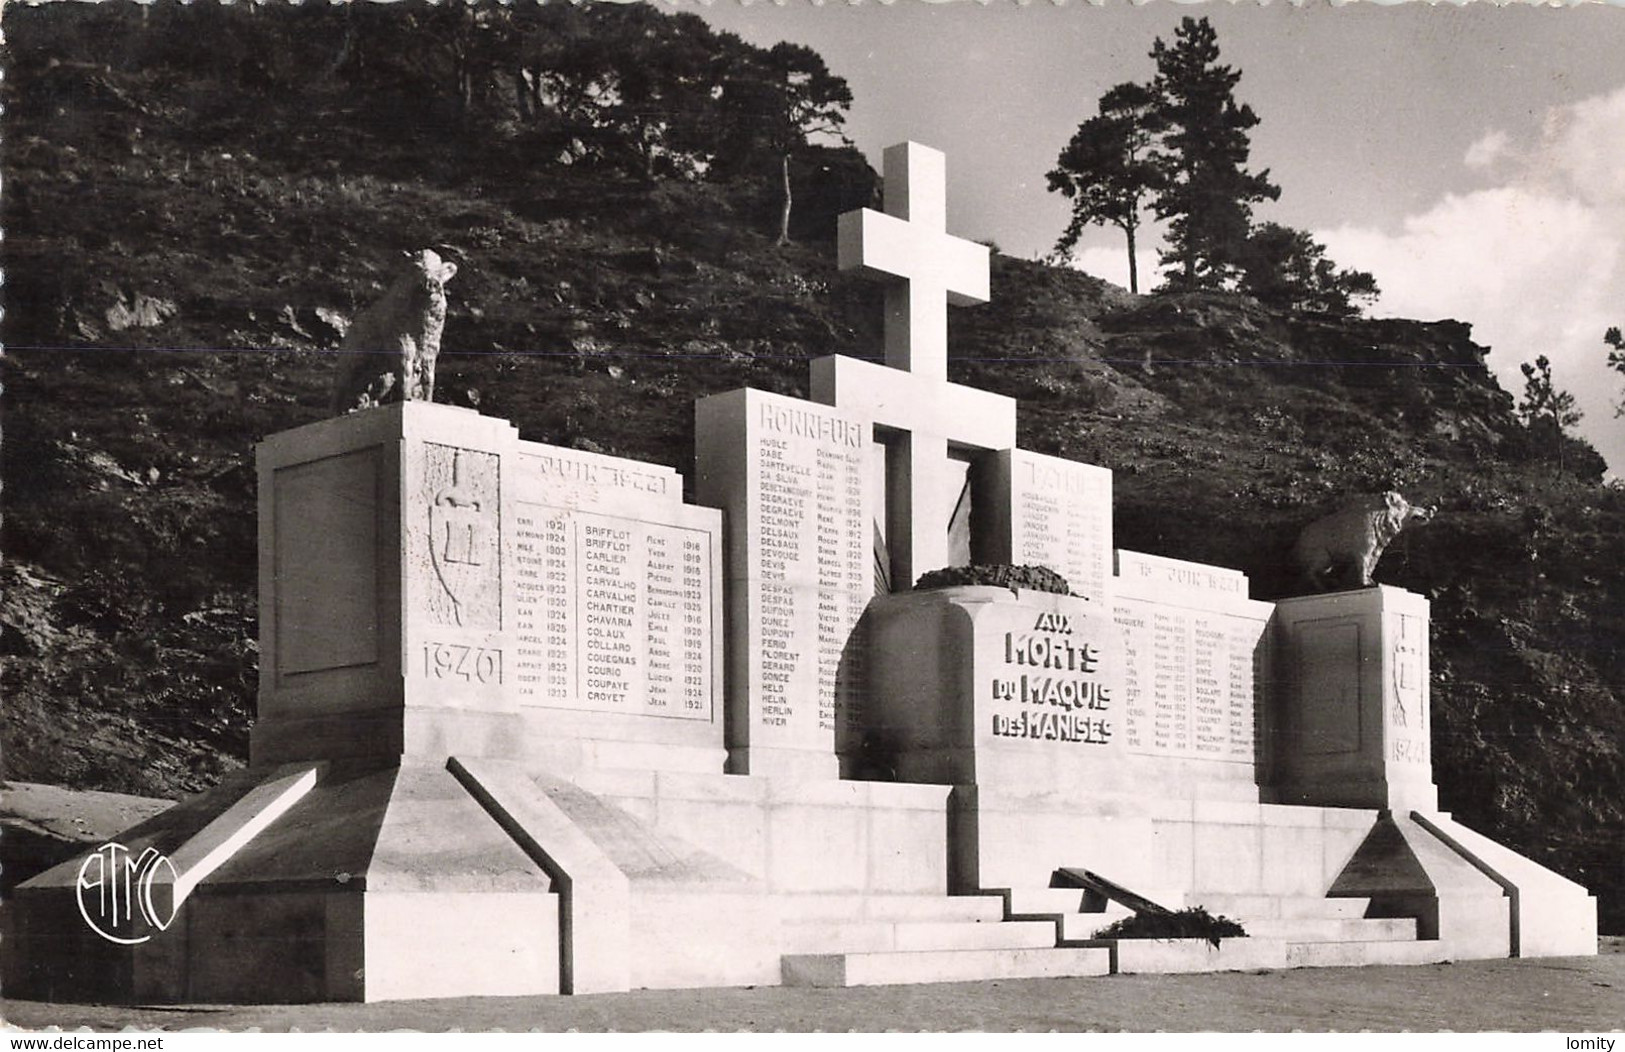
(765, 461)
(783, 556)
(1209, 711)
(831, 571)
(808, 461)
(610, 618)
(1137, 714)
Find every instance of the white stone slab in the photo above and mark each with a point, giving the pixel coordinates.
(1196, 660)
(1179, 575)
(792, 478)
(431, 583)
(1047, 511)
(579, 480)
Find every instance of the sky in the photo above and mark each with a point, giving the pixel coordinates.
(1471, 157)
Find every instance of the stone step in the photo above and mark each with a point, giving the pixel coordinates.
(1264, 907)
(824, 936)
(941, 966)
(1359, 954)
(1047, 901)
(1044, 901)
(1077, 927)
(969, 908)
(1333, 929)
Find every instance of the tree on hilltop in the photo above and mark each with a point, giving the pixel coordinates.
(1547, 413)
(772, 104)
(1205, 190)
(1108, 168)
(1616, 359)
(1287, 268)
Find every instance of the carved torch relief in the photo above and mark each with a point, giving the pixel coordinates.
(1407, 713)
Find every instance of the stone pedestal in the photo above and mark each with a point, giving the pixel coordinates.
(1353, 724)
(995, 687)
(430, 585)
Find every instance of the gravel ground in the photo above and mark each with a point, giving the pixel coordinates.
(1573, 995)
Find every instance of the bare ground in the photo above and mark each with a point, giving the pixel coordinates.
(1570, 995)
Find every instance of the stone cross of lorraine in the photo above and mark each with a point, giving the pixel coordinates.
(917, 413)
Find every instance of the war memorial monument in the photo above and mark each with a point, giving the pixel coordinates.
(531, 722)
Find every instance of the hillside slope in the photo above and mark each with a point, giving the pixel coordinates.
(178, 257)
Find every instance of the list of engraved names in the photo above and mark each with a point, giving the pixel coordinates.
(1189, 676)
(809, 565)
(1062, 515)
(612, 614)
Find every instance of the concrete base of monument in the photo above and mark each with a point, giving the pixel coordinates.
(337, 881)
(1313, 876)
(355, 882)
(1551, 915)
(321, 882)
(1174, 956)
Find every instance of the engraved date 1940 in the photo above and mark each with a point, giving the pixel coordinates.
(467, 663)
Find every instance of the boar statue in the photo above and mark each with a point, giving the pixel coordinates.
(1341, 550)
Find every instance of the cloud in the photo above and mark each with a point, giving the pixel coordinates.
(1486, 151)
(1536, 264)
(1585, 144)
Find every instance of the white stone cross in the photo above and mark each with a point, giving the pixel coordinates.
(924, 267)
(916, 412)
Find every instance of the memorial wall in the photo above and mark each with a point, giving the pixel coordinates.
(614, 597)
(791, 477)
(1045, 511)
(1194, 653)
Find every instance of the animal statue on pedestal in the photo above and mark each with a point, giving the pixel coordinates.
(389, 352)
(1341, 550)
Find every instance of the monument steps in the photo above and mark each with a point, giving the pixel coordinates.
(880, 936)
(1354, 954)
(941, 966)
(1021, 902)
(1246, 907)
(1334, 929)
(894, 907)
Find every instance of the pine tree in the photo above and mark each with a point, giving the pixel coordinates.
(1616, 359)
(772, 102)
(1547, 412)
(1205, 190)
(1107, 169)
